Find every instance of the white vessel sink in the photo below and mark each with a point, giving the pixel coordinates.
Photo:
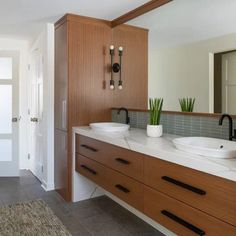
(210, 147)
(109, 127)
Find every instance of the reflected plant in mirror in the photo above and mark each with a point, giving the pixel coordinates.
(187, 104)
(192, 55)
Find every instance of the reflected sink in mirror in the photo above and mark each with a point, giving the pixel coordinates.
(109, 127)
(209, 147)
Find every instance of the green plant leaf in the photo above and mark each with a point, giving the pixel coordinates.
(155, 106)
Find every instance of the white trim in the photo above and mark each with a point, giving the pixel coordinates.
(47, 186)
(211, 82)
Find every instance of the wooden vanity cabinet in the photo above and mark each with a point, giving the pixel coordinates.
(118, 184)
(82, 75)
(186, 201)
(120, 159)
(213, 195)
(182, 218)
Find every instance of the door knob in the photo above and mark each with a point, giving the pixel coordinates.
(14, 119)
(34, 119)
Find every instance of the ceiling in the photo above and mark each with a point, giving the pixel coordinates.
(24, 18)
(187, 21)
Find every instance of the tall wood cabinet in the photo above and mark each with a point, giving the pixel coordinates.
(82, 74)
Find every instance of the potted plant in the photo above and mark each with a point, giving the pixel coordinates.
(154, 129)
(187, 104)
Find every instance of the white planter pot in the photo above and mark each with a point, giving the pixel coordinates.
(154, 131)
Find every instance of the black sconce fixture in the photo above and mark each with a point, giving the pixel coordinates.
(115, 67)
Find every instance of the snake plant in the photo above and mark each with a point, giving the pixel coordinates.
(187, 104)
(155, 105)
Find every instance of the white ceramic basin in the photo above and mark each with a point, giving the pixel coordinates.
(109, 127)
(210, 147)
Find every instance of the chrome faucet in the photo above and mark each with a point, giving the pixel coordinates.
(126, 112)
(231, 136)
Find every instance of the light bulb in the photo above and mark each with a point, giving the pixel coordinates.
(120, 86)
(112, 87)
(112, 47)
(120, 48)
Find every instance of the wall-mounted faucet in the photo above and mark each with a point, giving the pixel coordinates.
(126, 112)
(231, 136)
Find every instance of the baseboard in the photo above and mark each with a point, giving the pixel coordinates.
(47, 186)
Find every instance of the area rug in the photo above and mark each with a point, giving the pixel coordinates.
(32, 218)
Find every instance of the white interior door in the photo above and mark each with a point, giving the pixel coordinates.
(36, 114)
(229, 83)
(9, 113)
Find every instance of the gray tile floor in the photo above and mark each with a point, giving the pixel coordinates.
(98, 216)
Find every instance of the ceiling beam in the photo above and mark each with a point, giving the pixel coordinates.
(151, 5)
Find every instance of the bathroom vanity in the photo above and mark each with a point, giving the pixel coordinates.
(187, 194)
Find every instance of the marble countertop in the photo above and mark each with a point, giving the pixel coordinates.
(163, 148)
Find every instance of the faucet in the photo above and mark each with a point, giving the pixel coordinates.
(231, 136)
(127, 114)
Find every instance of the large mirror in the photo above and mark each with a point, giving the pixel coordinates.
(192, 54)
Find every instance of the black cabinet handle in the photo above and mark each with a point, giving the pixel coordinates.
(183, 185)
(183, 222)
(89, 169)
(89, 148)
(122, 161)
(122, 188)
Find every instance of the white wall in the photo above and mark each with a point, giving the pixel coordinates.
(183, 71)
(45, 43)
(22, 47)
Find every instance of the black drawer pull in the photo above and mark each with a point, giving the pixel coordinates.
(183, 222)
(89, 148)
(121, 188)
(123, 161)
(89, 169)
(183, 185)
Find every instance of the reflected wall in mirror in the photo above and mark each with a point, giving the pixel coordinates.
(192, 54)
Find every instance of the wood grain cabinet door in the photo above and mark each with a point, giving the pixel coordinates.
(61, 77)
(60, 162)
(125, 161)
(92, 170)
(213, 195)
(181, 218)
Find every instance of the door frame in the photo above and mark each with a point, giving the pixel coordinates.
(13, 169)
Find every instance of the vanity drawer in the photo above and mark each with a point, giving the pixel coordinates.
(125, 161)
(126, 189)
(92, 170)
(208, 193)
(181, 218)
(118, 184)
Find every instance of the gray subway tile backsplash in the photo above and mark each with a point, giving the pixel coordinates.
(183, 125)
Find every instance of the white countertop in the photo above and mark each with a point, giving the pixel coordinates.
(163, 148)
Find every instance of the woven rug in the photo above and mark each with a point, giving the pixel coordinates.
(33, 218)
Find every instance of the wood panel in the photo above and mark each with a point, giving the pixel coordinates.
(150, 5)
(82, 73)
(88, 60)
(60, 163)
(134, 67)
(219, 199)
(118, 184)
(60, 111)
(87, 72)
(61, 76)
(92, 170)
(125, 161)
(156, 202)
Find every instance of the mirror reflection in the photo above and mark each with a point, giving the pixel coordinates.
(192, 55)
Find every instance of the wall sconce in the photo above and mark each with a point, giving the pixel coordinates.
(115, 67)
